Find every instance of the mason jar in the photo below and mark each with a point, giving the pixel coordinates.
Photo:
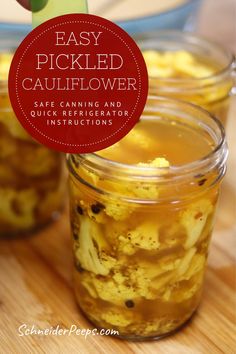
(142, 213)
(32, 177)
(188, 67)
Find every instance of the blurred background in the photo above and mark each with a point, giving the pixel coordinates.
(204, 16)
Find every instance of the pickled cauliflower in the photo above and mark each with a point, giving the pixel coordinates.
(8, 119)
(194, 219)
(144, 236)
(6, 149)
(39, 161)
(158, 162)
(17, 207)
(131, 283)
(195, 266)
(174, 64)
(136, 136)
(117, 210)
(117, 319)
(157, 65)
(140, 255)
(149, 190)
(115, 291)
(90, 246)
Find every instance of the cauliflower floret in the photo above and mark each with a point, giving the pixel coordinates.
(196, 265)
(125, 246)
(216, 94)
(115, 291)
(173, 64)
(158, 65)
(146, 190)
(172, 234)
(186, 261)
(171, 269)
(116, 319)
(192, 265)
(17, 207)
(113, 229)
(152, 57)
(40, 161)
(136, 136)
(87, 282)
(158, 162)
(118, 211)
(174, 270)
(126, 284)
(179, 292)
(149, 190)
(182, 58)
(7, 148)
(90, 248)
(186, 63)
(196, 71)
(133, 277)
(145, 236)
(149, 277)
(194, 220)
(158, 71)
(162, 281)
(143, 281)
(133, 282)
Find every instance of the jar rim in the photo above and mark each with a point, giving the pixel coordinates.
(217, 157)
(198, 41)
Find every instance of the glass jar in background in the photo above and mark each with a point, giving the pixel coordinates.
(142, 213)
(32, 177)
(185, 66)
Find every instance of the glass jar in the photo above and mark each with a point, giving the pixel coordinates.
(142, 213)
(188, 67)
(32, 177)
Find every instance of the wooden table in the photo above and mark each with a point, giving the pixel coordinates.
(36, 285)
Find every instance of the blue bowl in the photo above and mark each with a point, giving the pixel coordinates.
(176, 18)
(11, 35)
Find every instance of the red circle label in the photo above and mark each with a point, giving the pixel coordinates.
(78, 83)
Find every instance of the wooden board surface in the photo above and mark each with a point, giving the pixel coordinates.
(36, 284)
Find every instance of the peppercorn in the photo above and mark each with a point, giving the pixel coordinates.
(79, 210)
(96, 208)
(129, 303)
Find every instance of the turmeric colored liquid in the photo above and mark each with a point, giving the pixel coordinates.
(179, 144)
(139, 266)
